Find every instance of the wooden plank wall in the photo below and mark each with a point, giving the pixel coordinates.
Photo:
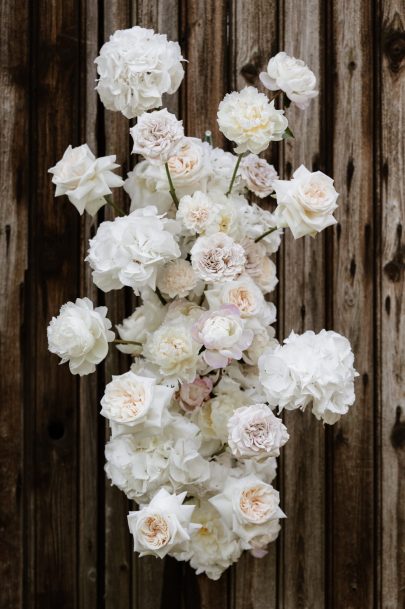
(63, 536)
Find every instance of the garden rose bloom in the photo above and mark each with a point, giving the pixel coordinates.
(85, 179)
(162, 525)
(254, 431)
(135, 67)
(80, 335)
(250, 120)
(306, 203)
(258, 174)
(157, 136)
(217, 258)
(291, 76)
(177, 278)
(189, 168)
(191, 396)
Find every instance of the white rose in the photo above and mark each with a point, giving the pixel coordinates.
(157, 136)
(80, 335)
(258, 174)
(248, 506)
(85, 179)
(177, 278)
(129, 250)
(141, 186)
(162, 525)
(254, 431)
(250, 120)
(217, 258)
(306, 203)
(135, 67)
(197, 211)
(134, 400)
(291, 76)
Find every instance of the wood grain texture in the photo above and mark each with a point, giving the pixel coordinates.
(391, 216)
(352, 521)
(14, 193)
(303, 308)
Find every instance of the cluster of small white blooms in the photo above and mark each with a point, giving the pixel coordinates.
(259, 175)
(310, 368)
(136, 67)
(292, 76)
(157, 136)
(193, 437)
(80, 335)
(250, 120)
(84, 179)
(129, 250)
(306, 203)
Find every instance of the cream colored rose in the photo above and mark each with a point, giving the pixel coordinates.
(217, 258)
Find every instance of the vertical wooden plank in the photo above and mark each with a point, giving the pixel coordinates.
(118, 546)
(254, 39)
(352, 549)
(303, 308)
(90, 462)
(392, 304)
(51, 407)
(13, 255)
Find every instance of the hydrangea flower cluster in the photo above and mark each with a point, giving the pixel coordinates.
(194, 430)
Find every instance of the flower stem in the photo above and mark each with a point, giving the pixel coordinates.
(118, 341)
(171, 186)
(268, 232)
(277, 94)
(220, 371)
(235, 171)
(159, 295)
(117, 209)
(208, 137)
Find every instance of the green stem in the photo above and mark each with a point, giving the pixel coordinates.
(159, 295)
(235, 171)
(268, 232)
(208, 137)
(110, 201)
(171, 186)
(118, 341)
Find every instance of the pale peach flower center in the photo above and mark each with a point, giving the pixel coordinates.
(155, 531)
(242, 298)
(256, 504)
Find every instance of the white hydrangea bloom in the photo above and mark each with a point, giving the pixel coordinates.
(136, 67)
(310, 368)
(85, 179)
(80, 335)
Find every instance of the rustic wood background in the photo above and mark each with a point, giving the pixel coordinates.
(64, 538)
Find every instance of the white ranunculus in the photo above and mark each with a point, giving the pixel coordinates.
(129, 250)
(141, 186)
(172, 349)
(84, 179)
(257, 222)
(177, 278)
(306, 203)
(310, 368)
(157, 136)
(291, 76)
(217, 258)
(258, 174)
(254, 431)
(134, 400)
(136, 67)
(213, 547)
(223, 335)
(161, 526)
(250, 120)
(80, 335)
(197, 212)
(248, 506)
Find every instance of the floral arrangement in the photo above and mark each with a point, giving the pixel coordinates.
(194, 434)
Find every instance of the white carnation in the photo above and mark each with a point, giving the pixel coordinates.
(306, 203)
(258, 174)
(291, 76)
(250, 120)
(310, 368)
(254, 431)
(129, 250)
(197, 211)
(85, 179)
(157, 136)
(135, 67)
(80, 335)
(217, 258)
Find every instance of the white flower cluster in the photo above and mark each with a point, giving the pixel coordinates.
(194, 438)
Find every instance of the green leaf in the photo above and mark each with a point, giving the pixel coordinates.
(288, 134)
